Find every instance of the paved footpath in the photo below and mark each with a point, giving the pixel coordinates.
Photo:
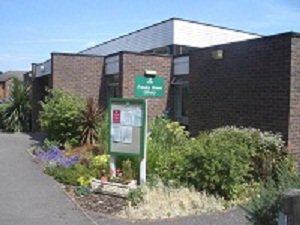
(29, 197)
(234, 217)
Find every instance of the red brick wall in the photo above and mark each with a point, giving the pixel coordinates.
(248, 87)
(294, 120)
(79, 74)
(135, 64)
(2, 90)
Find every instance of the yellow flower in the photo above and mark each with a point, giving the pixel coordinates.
(85, 180)
(100, 160)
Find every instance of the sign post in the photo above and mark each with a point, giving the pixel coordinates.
(128, 122)
(143, 164)
(127, 131)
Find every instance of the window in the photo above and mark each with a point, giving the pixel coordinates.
(113, 87)
(112, 64)
(166, 50)
(181, 101)
(162, 50)
(181, 65)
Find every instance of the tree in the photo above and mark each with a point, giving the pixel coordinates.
(17, 110)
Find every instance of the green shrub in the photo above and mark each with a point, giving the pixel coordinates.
(63, 175)
(136, 196)
(219, 164)
(102, 132)
(71, 175)
(132, 163)
(16, 113)
(46, 144)
(100, 164)
(227, 159)
(82, 190)
(167, 133)
(165, 150)
(127, 170)
(2, 110)
(264, 206)
(224, 161)
(60, 117)
(267, 149)
(169, 165)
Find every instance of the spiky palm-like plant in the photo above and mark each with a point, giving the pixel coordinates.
(16, 115)
(91, 118)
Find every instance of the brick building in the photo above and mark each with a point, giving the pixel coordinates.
(253, 83)
(6, 79)
(214, 76)
(107, 70)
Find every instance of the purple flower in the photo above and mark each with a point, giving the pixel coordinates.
(68, 161)
(54, 156)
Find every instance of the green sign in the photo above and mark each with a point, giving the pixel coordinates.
(145, 86)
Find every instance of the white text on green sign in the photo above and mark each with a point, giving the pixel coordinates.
(148, 86)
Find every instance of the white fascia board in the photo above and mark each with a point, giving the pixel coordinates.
(155, 36)
(201, 35)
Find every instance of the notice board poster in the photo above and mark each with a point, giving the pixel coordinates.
(127, 126)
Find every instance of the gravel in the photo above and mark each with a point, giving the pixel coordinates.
(99, 203)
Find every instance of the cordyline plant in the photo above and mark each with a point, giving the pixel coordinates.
(91, 118)
(16, 113)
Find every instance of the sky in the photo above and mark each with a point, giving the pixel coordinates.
(32, 29)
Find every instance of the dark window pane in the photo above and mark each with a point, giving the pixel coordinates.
(184, 99)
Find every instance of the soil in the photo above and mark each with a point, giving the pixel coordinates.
(99, 203)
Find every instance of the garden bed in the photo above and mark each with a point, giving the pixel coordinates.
(98, 202)
(199, 175)
(127, 200)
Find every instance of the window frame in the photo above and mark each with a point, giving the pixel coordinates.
(178, 101)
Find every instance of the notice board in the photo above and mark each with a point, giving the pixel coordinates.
(127, 118)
